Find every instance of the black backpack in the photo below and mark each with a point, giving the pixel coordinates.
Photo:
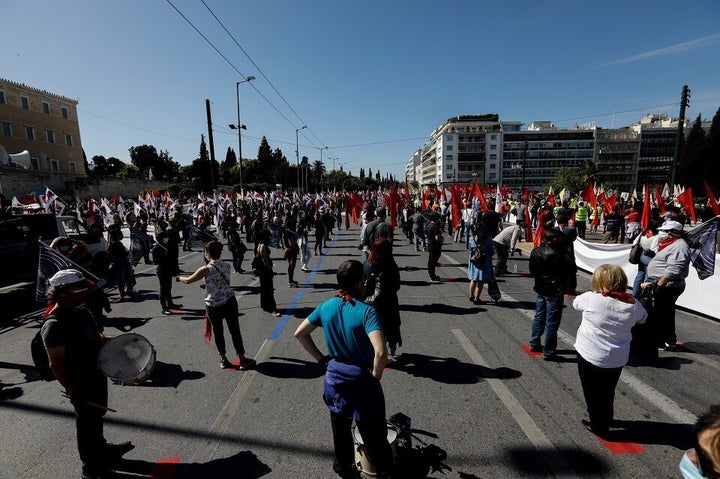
(40, 358)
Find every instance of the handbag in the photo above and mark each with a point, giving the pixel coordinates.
(635, 251)
(477, 255)
(371, 289)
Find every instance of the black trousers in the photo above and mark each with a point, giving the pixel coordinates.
(664, 300)
(229, 312)
(91, 441)
(376, 447)
(502, 254)
(598, 386)
(165, 290)
(433, 257)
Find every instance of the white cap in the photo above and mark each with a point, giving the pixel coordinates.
(670, 226)
(65, 277)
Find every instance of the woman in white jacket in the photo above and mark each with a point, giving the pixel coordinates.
(603, 341)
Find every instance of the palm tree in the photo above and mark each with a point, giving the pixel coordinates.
(589, 172)
(318, 171)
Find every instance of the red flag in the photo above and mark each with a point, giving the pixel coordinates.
(456, 202)
(394, 199)
(645, 220)
(551, 199)
(346, 205)
(685, 199)
(528, 226)
(588, 194)
(477, 192)
(711, 199)
(658, 198)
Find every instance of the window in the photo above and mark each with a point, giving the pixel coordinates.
(493, 137)
(2, 97)
(29, 133)
(493, 156)
(68, 139)
(6, 129)
(50, 136)
(64, 112)
(35, 163)
(46, 108)
(72, 167)
(449, 148)
(493, 147)
(54, 166)
(25, 102)
(449, 167)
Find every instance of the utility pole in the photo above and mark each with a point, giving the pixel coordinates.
(684, 102)
(212, 145)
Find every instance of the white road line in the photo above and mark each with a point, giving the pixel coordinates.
(206, 452)
(546, 449)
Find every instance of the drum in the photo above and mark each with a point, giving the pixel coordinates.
(362, 462)
(127, 359)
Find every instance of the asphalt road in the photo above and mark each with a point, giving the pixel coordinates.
(462, 376)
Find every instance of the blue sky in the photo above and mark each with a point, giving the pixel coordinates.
(370, 79)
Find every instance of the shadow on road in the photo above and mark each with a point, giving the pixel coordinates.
(280, 367)
(167, 375)
(449, 370)
(244, 464)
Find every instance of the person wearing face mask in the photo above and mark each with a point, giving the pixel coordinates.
(703, 460)
(666, 275)
(73, 340)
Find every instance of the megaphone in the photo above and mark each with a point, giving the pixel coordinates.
(21, 159)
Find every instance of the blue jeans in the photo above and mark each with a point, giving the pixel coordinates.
(548, 311)
(419, 240)
(641, 274)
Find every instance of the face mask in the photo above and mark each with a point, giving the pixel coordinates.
(688, 469)
(663, 235)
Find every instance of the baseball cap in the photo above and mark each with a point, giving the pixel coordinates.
(671, 225)
(66, 277)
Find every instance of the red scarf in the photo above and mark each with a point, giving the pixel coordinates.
(345, 297)
(666, 242)
(620, 296)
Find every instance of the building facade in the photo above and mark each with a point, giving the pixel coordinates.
(46, 126)
(483, 148)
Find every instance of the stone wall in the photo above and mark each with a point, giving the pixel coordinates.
(20, 182)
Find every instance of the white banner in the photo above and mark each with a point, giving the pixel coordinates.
(699, 296)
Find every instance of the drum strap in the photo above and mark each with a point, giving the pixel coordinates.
(227, 281)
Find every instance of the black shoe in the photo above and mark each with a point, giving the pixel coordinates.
(175, 306)
(115, 452)
(550, 357)
(166, 312)
(247, 364)
(536, 349)
(601, 433)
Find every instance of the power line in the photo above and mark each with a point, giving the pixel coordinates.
(616, 113)
(135, 127)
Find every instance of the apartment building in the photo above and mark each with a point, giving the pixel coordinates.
(46, 126)
(491, 151)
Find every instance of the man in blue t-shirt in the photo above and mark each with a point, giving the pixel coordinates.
(356, 358)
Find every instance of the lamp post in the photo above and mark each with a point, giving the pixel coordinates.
(297, 154)
(240, 126)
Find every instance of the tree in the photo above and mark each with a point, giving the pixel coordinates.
(589, 173)
(567, 178)
(227, 168)
(318, 171)
(202, 173)
(712, 153)
(691, 169)
(143, 157)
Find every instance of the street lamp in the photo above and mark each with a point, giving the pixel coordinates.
(297, 154)
(240, 126)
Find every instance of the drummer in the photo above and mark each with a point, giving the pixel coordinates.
(73, 341)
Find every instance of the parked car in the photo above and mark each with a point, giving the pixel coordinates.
(19, 245)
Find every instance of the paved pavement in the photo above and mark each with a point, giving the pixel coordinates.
(462, 375)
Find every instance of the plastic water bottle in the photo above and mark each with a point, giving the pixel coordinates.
(514, 267)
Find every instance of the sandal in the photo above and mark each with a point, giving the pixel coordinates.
(225, 364)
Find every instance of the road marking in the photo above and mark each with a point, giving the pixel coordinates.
(232, 405)
(229, 411)
(545, 448)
